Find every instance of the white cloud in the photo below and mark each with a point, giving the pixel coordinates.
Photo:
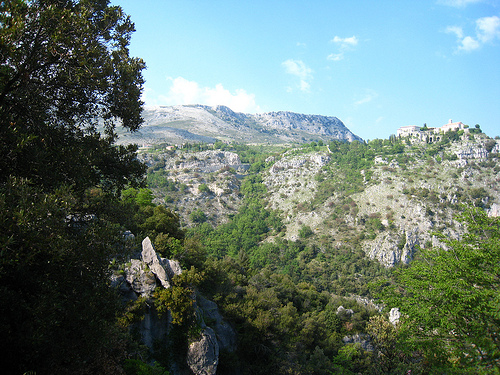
(457, 30)
(183, 91)
(298, 69)
(468, 44)
(367, 97)
(487, 31)
(345, 44)
(458, 3)
(335, 56)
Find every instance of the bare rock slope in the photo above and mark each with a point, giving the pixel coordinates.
(197, 123)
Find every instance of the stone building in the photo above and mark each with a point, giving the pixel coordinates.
(429, 134)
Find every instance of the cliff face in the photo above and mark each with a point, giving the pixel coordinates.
(197, 123)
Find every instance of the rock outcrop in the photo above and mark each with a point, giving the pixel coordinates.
(144, 275)
(203, 354)
(207, 162)
(153, 261)
(141, 278)
(388, 251)
(225, 334)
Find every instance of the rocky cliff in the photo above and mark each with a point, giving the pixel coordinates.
(140, 279)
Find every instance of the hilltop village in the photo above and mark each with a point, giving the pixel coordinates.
(430, 135)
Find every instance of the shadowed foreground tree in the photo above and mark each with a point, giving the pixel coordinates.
(64, 70)
(450, 300)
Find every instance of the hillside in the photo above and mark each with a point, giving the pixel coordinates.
(197, 123)
(385, 197)
(296, 246)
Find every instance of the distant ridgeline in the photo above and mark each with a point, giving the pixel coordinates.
(203, 124)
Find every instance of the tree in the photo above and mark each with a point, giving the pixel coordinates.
(449, 297)
(64, 67)
(64, 70)
(305, 231)
(197, 216)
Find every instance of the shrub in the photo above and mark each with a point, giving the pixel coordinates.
(305, 231)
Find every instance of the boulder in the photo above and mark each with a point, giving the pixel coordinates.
(343, 311)
(173, 267)
(394, 315)
(203, 355)
(226, 336)
(154, 263)
(140, 278)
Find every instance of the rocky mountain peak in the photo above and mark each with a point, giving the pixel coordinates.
(199, 123)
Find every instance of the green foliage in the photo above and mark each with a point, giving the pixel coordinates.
(138, 367)
(159, 180)
(134, 312)
(160, 219)
(305, 231)
(243, 232)
(54, 279)
(450, 136)
(252, 186)
(167, 246)
(450, 297)
(476, 129)
(64, 68)
(490, 144)
(142, 197)
(392, 358)
(178, 300)
(203, 188)
(198, 216)
(189, 251)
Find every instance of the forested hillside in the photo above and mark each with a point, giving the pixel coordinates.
(329, 219)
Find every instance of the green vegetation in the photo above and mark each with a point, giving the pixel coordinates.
(449, 300)
(64, 66)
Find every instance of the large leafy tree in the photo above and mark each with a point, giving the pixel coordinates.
(65, 67)
(450, 300)
(65, 71)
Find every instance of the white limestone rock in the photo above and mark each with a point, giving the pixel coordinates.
(173, 267)
(154, 263)
(141, 280)
(394, 315)
(203, 355)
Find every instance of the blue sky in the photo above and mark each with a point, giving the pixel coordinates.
(375, 64)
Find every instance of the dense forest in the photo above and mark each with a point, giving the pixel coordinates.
(300, 297)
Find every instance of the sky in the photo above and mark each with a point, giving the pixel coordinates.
(377, 65)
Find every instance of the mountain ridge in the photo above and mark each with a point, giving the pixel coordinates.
(200, 123)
